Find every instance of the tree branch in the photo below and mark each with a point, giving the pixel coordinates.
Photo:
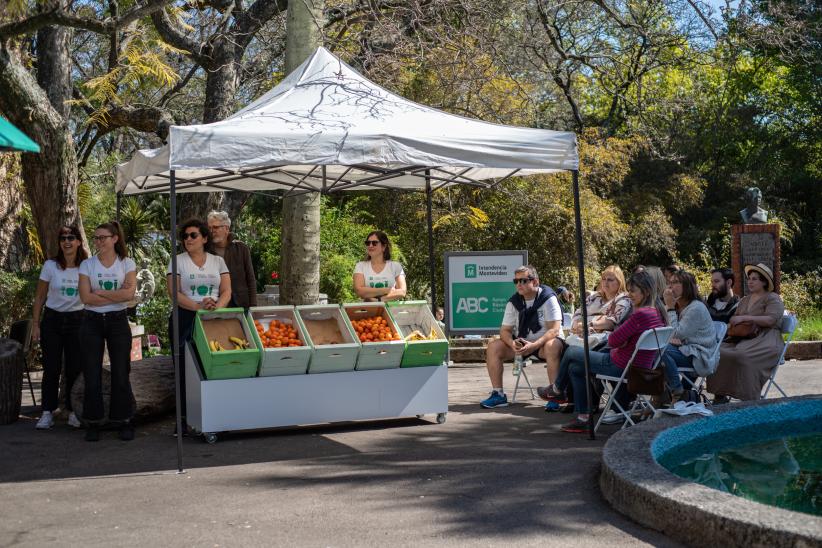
(172, 35)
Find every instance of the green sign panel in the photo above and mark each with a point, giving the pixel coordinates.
(478, 286)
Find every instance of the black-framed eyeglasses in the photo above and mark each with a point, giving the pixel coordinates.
(101, 238)
(68, 238)
(372, 242)
(192, 235)
(523, 280)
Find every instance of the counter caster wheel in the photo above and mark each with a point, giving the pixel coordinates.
(210, 438)
(441, 418)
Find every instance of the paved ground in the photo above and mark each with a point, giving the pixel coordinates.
(483, 478)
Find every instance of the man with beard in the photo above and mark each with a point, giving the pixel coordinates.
(237, 258)
(722, 302)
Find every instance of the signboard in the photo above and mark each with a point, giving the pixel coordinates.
(754, 244)
(478, 285)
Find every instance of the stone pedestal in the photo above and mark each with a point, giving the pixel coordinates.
(753, 244)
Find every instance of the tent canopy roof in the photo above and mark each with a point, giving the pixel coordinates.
(12, 139)
(327, 128)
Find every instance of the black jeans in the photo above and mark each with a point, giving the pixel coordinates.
(60, 340)
(186, 319)
(111, 329)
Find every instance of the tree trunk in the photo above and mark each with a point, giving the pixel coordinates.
(50, 177)
(11, 380)
(300, 254)
(14, 243)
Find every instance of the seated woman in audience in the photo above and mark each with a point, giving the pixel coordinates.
(694, 340)
(647, 313)
(606, 308)
(745, 363)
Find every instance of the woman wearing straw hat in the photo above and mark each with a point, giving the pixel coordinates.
(746, 363)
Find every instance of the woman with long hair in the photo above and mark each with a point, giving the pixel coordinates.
(59, 328)
(694, 339)
(377, 277)
(647, 313)
(745, 364)
(107, 283)
(203, 283)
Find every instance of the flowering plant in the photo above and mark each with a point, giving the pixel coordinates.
(275, 277)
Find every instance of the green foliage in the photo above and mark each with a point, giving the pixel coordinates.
(809, 328)
(16, 296)
(802, 293)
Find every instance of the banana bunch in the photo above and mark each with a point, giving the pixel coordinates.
(417, 336)
(239, 344)
(215, 346)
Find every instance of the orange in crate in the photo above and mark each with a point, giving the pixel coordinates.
(374, 329)
(278, 334)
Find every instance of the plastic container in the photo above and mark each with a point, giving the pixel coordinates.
(376, 355)
(280, 361)
(320, 322)
(413, 316)
(229, 363)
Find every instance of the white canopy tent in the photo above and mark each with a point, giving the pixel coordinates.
(326, 128)
(326, 114)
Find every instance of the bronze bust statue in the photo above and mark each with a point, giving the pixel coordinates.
(753, 214)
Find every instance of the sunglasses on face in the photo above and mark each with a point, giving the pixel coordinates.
(67, 237)
(192, 235)
(523, 280)
(101, 238)
(372, 242)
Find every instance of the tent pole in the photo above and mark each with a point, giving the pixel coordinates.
(581, 274)
(118, 206)
(175, 320)
(431, 267)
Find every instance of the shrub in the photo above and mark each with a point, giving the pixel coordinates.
(16, 296)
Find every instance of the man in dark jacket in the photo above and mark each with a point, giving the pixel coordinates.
(722, 302)
(237, 258)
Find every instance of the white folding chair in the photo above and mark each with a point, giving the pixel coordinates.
(654, 339)
(720, 328)
(788, 327)
(523, 375)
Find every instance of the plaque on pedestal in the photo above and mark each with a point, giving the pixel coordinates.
(754, 244)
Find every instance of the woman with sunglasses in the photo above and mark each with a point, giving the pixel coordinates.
(203, 283)
(59, 328)
(378, 278)
(107, 284)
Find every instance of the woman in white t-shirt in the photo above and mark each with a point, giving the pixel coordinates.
(378, 278)
(58, 331)
(107, 283)
(203, 283)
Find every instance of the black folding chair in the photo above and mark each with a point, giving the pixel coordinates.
(21, 332)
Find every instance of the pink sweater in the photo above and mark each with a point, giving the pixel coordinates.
(623, 340)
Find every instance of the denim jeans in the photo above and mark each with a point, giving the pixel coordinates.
(599, 363)
(186, 322)
(674, 359)
(60, 341)
(110, 330)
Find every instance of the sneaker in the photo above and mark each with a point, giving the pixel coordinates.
(127, 432)
(549, 393)
(495, 400)
(73, 421)
(613, 417)
(552, 406)
(92, 433)
(46, 421)
(576, 427)
(721, 400)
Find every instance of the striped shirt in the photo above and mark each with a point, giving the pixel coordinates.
(624, 339)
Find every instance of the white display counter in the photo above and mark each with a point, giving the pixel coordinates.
(268, 402)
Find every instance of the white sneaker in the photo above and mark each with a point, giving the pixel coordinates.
(46, 421)
(613, 417)
(74, 421)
